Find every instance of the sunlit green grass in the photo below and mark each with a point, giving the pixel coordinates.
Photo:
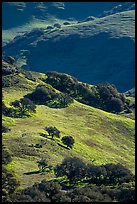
(99, 136)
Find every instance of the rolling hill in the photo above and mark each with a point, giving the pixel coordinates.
(28, 15)
(100, 136)
(95, 51)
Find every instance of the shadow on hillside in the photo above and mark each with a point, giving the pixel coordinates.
(62, 146)
(32, 172)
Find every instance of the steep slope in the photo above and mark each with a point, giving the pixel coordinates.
(98, 50)
(99, 136)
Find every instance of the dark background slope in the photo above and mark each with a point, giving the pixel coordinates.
(15, 14)
(94, 52)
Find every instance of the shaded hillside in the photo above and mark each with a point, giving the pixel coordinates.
(50, 11)
(123, 6)
(26, 16)
(96, 51)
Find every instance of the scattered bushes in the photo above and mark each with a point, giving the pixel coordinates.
(7, 70)
(66, 23)
(115, 105)
(62, 82)
(117, 174)
(89, 194)
(126, 194)
(57, 25)
(49, 27)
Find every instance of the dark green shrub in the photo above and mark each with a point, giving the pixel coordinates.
(47, 96)
(66, 23)
(57, 25)
(6, 157)
(68, 140)
(53, 131)
(24, 105)
(49, 27)
(5, 129)
(117, 174)
(9, 184)
(115, 105)
(73, 168)
(110, 99)
(42, 164)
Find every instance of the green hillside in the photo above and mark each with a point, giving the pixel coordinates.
(100, 136)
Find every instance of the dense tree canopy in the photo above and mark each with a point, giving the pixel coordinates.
(47, 96)
(116, 184)
(104, 96)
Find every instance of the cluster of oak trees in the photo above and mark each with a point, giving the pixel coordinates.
(54, 132)
(47, 96)
(104, 96)
(105, 183)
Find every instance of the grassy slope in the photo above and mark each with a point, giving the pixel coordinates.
(98, 135)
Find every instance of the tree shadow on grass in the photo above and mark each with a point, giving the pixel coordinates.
(63, 146)
(32, 172)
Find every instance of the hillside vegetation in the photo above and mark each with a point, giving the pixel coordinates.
(100, 136)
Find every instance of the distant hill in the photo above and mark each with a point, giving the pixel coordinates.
(99, 50)
(19, 17)
(126, 6)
